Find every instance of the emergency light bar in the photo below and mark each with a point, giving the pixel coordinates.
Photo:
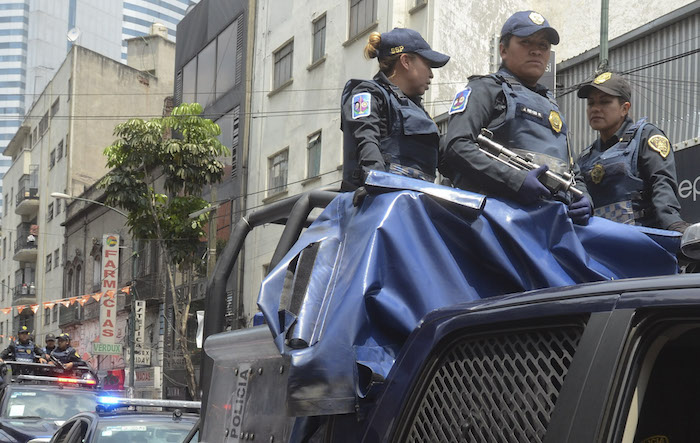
(125, 402)
(76, 381)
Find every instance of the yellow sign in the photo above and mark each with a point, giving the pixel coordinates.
(397, 49)
(555, 121)
(602, 78)
(597, 173)
(656, 439)
(536, 18)
(660, 144)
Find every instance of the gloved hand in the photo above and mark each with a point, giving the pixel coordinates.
(532, 190)
(678, 226)
(359, 196)
(580, 211)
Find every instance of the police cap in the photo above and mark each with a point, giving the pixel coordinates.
(526, 23)
(50, 337)
(23, 330)
(64, 336)
(610, 83)
(403, 40)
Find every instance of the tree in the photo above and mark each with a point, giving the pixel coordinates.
(145, 156)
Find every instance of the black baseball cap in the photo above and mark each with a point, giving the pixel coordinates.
(403, 40)
(50, 337)
(23, 330)
(526, 23)
(610, 83)
(64, 336)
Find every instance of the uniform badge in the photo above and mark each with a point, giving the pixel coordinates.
(361, 105)
(536, 18)
(660, 144)
(597, 173)
(459, 104)
(656, 439)
(555, 121)
(602, 78)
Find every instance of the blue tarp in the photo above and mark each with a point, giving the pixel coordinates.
(360, 278)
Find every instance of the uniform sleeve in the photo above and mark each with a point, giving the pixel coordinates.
(73, 357)
(38, 351)
(9, 350)
(461, 160)
(367, 130)
(659, 175)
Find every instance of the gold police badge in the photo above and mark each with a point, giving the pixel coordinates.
(660, 144)
(656, 439)
(597, 173)
(602, 78)
(555, 121)
(536, 18)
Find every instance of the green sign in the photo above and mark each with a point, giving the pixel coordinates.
(107, 348)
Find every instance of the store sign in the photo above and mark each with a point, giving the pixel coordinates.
(147, 378)
(110, 277)
(140, 321)
(107, 348)
(688, 174)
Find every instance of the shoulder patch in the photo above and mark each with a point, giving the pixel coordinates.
(660, 144)
(459, 104)
(361, 105)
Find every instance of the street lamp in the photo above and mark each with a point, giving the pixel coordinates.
(63, 196)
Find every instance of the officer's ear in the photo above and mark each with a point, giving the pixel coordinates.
(626, 107)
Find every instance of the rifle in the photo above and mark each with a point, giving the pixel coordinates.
(57, 362)
(551, 180)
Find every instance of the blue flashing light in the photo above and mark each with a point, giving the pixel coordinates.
(109, 400)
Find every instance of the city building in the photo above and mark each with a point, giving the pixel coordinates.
(36, 35)
(59, 148)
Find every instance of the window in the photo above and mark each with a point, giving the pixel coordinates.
(57, 258)
(3, 293)
(35, 137)
(319, 38)
(52, 159)
(70, 89)
(277, 180)
(5, 205)
(313, 155)
(54, 108)
(96, 272)
(49, 258)
(283, 65)
(49, 212)
(226, 59)
(55, 312)
(206, 75)
(44, 123)
(189, 82)
(47, 316)
(235, 141)
(58, 206)
(363, 13)
(59, 150)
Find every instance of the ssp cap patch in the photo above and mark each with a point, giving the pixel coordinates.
(459, 104)
(361, 105)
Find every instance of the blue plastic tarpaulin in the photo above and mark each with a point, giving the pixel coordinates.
(358, 281)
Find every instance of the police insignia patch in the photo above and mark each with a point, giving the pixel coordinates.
(536, 18)
(361, 105)
(459, 104)
(555, 121)
(597, 173)
(656, 439)
(602, 78)
(660, 144)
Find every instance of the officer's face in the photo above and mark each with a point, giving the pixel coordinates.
(23, 337)
(605, 112)
(527, 57)
(417, 75)
(62, 345)
(51, 344)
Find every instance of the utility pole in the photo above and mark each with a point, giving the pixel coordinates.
(603, 59)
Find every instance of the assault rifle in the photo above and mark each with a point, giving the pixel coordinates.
(556, 183)
(57, 362)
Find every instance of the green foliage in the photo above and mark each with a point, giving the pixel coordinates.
(187, 161)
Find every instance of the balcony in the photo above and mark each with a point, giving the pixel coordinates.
(27, 198)
(25, 248)
(24, 294)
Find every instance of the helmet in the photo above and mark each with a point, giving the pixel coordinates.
(64, 336)
(23, 330)
(50, 337)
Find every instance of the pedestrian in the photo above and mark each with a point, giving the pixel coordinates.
(522, 115)
(629, 169)
(384, 124)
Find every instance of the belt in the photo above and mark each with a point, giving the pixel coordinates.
(408, 171)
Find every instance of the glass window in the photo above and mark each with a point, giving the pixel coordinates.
(44, 123)
(52, 159)
(277, 180)
(283, 64)
(226, 136)
(206, 75)
(59, 150)
(189, 82)
(226, 53)
(313, 155)
(362, 14)
(47, 316)
(49, 212)
(57, 258)
(58, 206)
(49, 258)
(319, 38)
(54, 108)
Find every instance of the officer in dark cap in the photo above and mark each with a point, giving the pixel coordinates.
(384, 124)
(50, 340)
(629, 170)
(23, 349)
(65, 353)
(521, 113)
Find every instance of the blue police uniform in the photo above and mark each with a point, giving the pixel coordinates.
(68, 355)
(406, 137)
(25, 352)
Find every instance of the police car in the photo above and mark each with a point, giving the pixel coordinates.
(110, 422)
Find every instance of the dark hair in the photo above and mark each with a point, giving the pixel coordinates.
(505, 39)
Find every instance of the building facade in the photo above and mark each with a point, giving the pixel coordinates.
(58, 148)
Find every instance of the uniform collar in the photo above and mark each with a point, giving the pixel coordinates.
(539, 88)
(615, 139)
(382, 78)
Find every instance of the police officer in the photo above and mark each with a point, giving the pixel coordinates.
(383, 121)
(50, 340)
(521, 113)
(629, 170)
(65, 353)
(23, 349)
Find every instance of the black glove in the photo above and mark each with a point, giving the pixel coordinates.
(359, 196)
(580, 211)
(532, 190)
(678, 226)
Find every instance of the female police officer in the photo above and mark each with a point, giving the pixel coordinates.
(629, 170)
(384, 124)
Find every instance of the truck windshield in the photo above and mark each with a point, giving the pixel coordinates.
(52, 405)
(134, 430)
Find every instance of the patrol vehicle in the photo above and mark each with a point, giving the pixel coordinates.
(380, 330)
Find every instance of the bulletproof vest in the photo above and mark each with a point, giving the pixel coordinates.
(533, 126)
(24, 352)
(612, 179)
(412, 140)
(63, 356)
